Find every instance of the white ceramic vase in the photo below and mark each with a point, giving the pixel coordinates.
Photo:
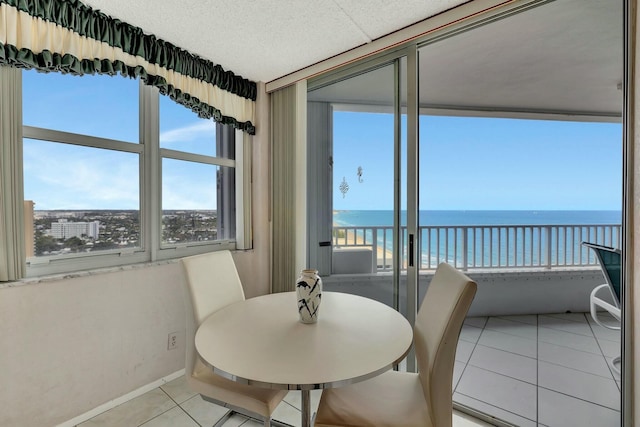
(309, 293)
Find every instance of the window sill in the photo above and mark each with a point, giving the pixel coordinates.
(85, 273)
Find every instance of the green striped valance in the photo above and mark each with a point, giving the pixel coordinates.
(69, 37)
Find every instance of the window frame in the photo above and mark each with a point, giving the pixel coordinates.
(150, 155)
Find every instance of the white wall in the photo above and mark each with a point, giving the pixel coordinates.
(499, 293)
(71, 344)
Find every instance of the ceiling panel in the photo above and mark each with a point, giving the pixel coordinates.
(560, 59)
(266, 39)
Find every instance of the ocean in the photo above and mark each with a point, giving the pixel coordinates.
(502, 237)
(350, 218)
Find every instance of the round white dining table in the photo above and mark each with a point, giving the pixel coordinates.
(260, 341)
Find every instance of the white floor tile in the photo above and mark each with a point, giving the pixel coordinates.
(574, 317)
(582, 385)
(205, 413)
(470, 333)
(568, 339)
(294, 398)
(560, 410)
(552, 322)
(178, 390)
(175, 417)
(575, 359)
(512, 327)
(478, 322)
(605, 333)
(609, 348)
(461, 419)
(508, 342)
(134, 412)
(492, 411)
(288, 414)
(238, 420)
(498, 390)
(503, 362)
(529, 319)
(458, 368)
(464, 350)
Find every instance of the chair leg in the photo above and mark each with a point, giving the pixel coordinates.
(224, 418)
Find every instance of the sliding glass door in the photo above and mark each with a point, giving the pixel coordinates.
(357, 196)
(494, 146)
(520, 160)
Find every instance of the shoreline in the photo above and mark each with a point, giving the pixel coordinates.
(354, 239)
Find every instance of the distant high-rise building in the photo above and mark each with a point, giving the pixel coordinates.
(64, 229)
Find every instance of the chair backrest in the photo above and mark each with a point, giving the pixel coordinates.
(212, 282)
(436, 334)
(610, 260)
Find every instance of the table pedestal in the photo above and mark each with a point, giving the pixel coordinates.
(306, 408)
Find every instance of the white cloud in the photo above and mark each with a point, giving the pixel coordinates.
(185, 191)
(201, 129)
(64, 177)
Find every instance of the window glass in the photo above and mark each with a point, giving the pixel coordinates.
(98, 105)
(83, 167)
(195, 199)
(181, 129)
(84, 199)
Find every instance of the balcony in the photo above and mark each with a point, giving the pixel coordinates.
(529, 352)
(485, 246)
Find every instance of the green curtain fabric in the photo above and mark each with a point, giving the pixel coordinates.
(77, 17)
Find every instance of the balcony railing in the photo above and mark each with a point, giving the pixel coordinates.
(485, 246)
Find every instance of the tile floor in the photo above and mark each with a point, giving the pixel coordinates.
(535, 370)
(174, 405)
(539, 370)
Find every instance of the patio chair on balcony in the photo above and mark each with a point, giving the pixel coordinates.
(610, 263)
(213, 283)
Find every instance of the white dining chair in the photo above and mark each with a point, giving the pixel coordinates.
(405, 399)
(212, 282)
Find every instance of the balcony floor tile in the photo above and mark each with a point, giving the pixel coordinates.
(582, 385)
(509, 342)
(568, 339)
(557, 409)
(517, 397)
(581, 360)
(505, 363)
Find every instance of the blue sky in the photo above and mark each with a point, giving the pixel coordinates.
(483, 164)
(61, 176)
(465, 163)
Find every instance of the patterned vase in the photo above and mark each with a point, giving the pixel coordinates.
(309, 293)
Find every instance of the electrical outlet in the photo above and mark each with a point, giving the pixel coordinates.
(172, 342)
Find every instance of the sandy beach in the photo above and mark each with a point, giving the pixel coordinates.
(356, 238)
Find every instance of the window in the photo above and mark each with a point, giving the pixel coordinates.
(115, 173)
(198, 187)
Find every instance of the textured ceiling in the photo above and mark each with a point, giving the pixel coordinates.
(562, 58)
(265, 39)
